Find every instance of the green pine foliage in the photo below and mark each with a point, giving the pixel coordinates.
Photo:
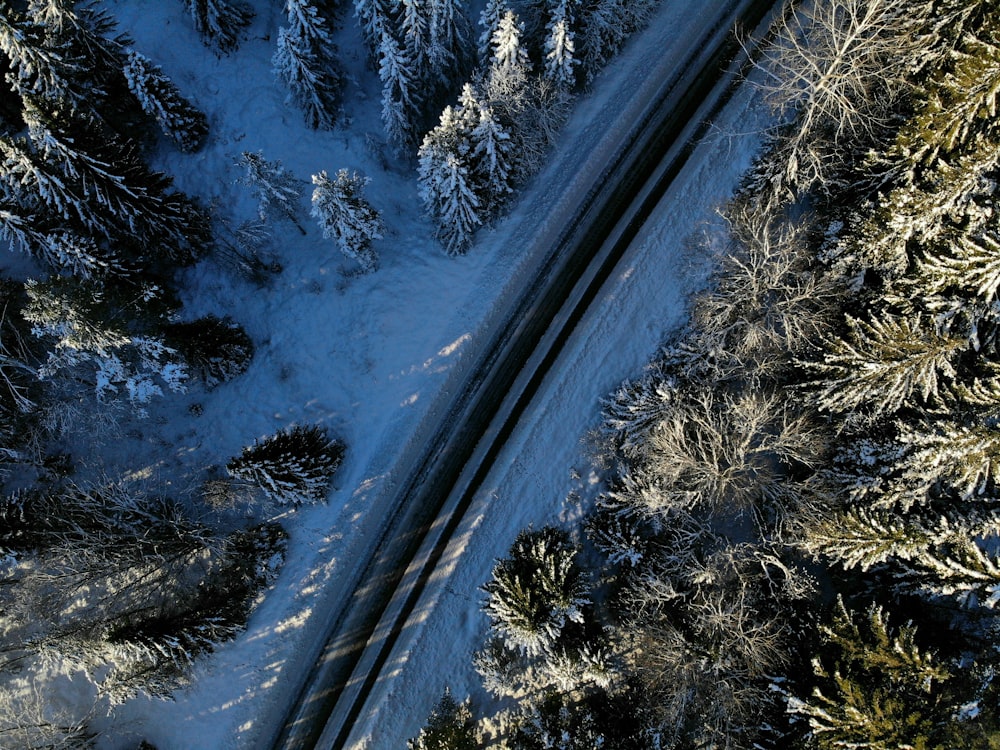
(449, 727)
(875, 687)
(537, 591)
(293, 466)
(216, 349)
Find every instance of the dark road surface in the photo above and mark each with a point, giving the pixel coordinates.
(441, 481)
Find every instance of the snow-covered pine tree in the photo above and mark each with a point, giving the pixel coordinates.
(87, 324)
(494, 159)
(82, 173)
(401, 96)
(415, 33)
(883, 363)
(489, 21)
(31, 182)
(37, 70)
(874, 686)
(863, 537)
(295, 465)
(508, 55)
(275, 188)
(219, 22)
(306, 61)
(536, 591)
(456, 204)
(88, 33)
(449, 54)
(61, 250)
(216, 349)
(560, 60)
(346, 216)
(154, 650)
(159, 98)
(374, 17)
(957, 106)
(449, 727)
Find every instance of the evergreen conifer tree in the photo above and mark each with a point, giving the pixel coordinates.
(883, 363)
(401, 97)
(345, 216)
(295, 465)
(875, 687)
(219, 22)
(536, 591)
(449, 727)
(159, 98)
(275, 188)
(216, 349)
(560, 47)
(306, 60)
(489, 21)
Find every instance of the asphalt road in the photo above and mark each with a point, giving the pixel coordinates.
(441, 478)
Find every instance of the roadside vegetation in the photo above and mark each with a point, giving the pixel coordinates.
(798, 541)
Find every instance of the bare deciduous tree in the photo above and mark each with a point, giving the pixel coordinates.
(837, 68)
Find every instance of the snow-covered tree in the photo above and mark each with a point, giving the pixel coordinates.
(874, 686)
(216, 349)
(489, 21)
(449, 727)
(494, 158)
(508, 54)
(275, 188)
(87, 326)
(603, 27)
(414, 31)
(374, 17)
(61, 250)
(36, 69)
(346, 216)
(447, 190)
(767, 301)
(79, 173)
(401, 95)
(449, 54)
(536, 591)
(153, 651)
(560, 62)
(838, 68)
(882, 363)
(723, 450)
(295, 465)
(306, 61)
(219, 22)
(159, 98)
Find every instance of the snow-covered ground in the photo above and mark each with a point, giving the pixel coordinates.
(368, 355)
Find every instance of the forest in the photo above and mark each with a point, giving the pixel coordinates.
(797, 541)
(122, 582)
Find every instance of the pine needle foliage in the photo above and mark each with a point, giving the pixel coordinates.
(449, 727)
(159, 98)
(883, 363)
(293, 466)
(536, 591)
(875, 687)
